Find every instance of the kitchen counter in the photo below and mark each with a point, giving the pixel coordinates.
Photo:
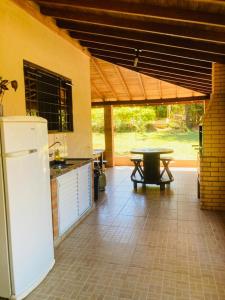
(71, 194)
(70, 164)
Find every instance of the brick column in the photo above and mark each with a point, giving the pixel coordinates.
(212, 162)
(109, 135)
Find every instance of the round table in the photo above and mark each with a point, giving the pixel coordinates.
(151, 163)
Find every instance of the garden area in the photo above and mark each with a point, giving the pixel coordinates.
(172, 126)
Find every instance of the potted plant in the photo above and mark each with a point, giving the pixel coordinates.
(4, 86)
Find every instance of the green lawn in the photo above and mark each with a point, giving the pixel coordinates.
(180, 142)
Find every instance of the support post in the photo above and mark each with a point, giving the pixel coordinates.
(109, 135)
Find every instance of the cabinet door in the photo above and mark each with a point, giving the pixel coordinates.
(67, 200)
(84, 188)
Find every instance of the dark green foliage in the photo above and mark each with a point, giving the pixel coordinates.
(142, 118)
(149, 127)
(161, 111)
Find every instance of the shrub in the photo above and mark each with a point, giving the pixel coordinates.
(149, 127)
(125, 127)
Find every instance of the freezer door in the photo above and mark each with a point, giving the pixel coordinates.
(17, 137)
(27, 182)
(5, 286)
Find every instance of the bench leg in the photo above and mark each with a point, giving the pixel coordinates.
(162, 186)
(167, 170)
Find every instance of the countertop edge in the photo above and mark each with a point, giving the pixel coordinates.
(76, 163)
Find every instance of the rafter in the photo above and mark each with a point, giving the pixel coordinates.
(118, 71)
(195, 85)
(105, 55)
(191, 83)
(96, 90)
(142, 36)
(135, 44)
(174, 12)
(137, 23)
(165, 70)
(104, 78)
(165, 77)
(145, 54)
(142, 85)
(154, 101)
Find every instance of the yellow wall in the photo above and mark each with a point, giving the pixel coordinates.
(24, 37)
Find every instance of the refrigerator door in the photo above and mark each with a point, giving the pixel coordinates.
(19, 137)
(5, 285)
(27, 185)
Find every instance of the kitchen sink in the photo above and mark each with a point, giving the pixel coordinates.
(60, 164)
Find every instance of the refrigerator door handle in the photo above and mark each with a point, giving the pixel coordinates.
(20, 153)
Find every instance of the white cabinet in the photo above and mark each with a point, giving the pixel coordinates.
(74, 196)
(67, 200)
(84, 188)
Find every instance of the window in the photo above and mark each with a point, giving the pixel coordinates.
(48, 95)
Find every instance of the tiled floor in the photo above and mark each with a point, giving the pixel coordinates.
(144, 245)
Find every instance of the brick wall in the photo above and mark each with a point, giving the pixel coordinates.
(54, 199)
(212, 162)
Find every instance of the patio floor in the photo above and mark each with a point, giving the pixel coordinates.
(144, 245)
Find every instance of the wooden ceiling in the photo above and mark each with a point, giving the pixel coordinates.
(115, 85)
(175, 41)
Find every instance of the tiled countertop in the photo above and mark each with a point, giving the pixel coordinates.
(73, 163)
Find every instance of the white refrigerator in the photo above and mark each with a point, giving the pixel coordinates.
(26, 239)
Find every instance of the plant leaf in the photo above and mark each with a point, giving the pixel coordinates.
(4, 82)
(14, 84)
(4, 87)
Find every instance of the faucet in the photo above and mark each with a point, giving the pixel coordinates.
(55, 143)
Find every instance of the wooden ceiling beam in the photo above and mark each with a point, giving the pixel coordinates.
(142, 85)
(188, 85)
(148, 61)
(172, 11)
(166, 101)
(177, 80)
(96, 90)
(162, 49)
(104, 78)
(146, 54)
(142, 36)
(140, 24)
(142, 66)
(122, 79)
(144, 59)
(197, 85)
(184, 79)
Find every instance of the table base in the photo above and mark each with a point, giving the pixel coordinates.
(150, 174)
(162, 182)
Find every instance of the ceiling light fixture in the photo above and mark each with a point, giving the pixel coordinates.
(136, 59)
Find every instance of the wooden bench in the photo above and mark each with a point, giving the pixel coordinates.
(137, 168)
(166, 161)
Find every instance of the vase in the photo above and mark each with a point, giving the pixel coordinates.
(1, 110)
